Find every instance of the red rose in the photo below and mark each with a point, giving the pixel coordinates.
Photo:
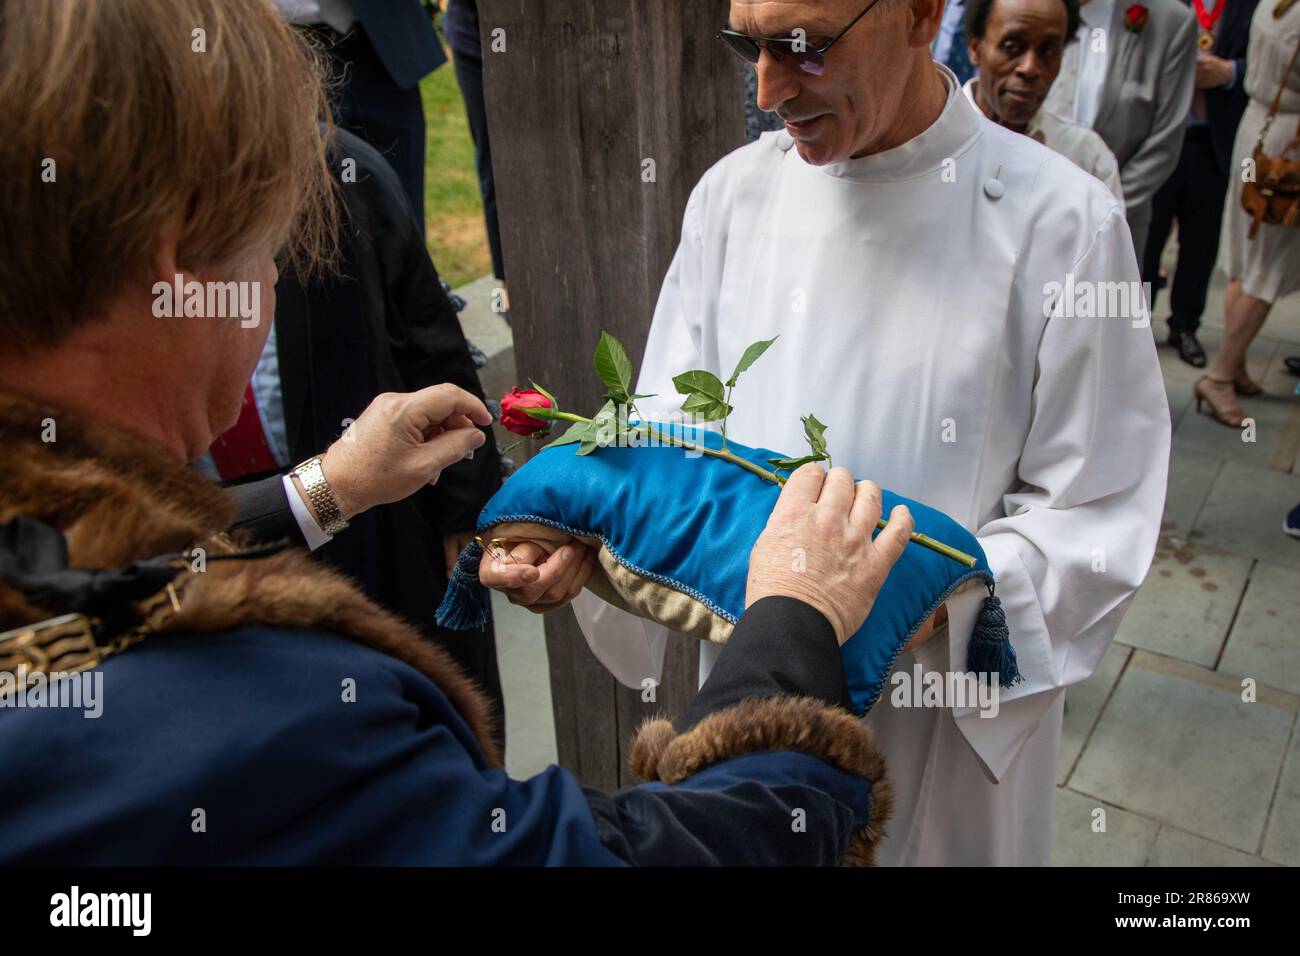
(513, 416)
(1135, 17)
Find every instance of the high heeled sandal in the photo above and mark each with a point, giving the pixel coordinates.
(1247, 387)
(1220, 415)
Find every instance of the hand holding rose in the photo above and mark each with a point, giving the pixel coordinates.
(401, 443)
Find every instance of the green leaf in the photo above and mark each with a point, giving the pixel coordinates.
(587, 447)
(698, 380)
(749, 358)
(706, 408)
(613, 366)
(577, 432)
(545, 414)
(791, 464)
(635, 397)
(605, 422)
(698, 400)
(815, 432)
(555, 403)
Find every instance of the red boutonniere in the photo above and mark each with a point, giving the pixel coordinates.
(1135, 17)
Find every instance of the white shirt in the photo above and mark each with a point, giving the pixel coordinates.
(923, 316)
(1094, 51)
(337, 14)
(1079, 144)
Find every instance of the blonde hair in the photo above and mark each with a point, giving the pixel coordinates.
(126, 118)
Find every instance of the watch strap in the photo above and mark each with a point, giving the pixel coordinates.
(321, 495)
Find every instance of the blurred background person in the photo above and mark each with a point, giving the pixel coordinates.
(1129, 78)
(1264, 268)
(951, 46)
(1193, 196)
(1016, 47)
(460, 25)
(379, 50)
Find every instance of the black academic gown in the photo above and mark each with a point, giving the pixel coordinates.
(385, 325)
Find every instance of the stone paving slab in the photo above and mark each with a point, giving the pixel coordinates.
(1175, 847)
(1282, 841)
(1244, 513)
(1188, 602)
(1083, 705)
(483, 325)
(1076, 841)
(1177, 743)
(1265, 641)
(1282, 383)
(1191, 476)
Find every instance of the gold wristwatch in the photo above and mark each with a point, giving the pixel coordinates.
(321, 495)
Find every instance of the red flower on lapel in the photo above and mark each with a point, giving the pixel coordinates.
(1135, 17)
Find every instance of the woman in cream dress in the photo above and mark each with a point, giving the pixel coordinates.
(1266, 268)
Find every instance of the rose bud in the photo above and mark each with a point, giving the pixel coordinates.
(515, 419)
(1135, 17)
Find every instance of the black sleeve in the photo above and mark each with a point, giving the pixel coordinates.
(262, 507)
(745, 822)
(766, 767)
(780, 645)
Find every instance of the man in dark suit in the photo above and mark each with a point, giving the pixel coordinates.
(1194, 194)
(460, 24)
(379, 49)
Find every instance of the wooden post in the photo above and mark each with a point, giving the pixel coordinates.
(584, 102)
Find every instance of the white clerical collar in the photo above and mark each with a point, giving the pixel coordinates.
(958, 124)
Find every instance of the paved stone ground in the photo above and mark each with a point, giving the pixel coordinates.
(1159, 737)
(1187, 772)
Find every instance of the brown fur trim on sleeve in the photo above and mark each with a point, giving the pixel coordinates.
(774, 723)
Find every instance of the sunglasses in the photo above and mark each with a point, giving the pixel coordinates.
(793, 49)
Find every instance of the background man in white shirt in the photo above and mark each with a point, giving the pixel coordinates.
(1130, 78)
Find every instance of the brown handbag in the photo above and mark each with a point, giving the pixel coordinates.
(1273, 196)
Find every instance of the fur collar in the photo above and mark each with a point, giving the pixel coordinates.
(118, 498)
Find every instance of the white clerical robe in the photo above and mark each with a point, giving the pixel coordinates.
(910, 290)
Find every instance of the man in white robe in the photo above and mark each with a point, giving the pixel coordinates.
(910, 281)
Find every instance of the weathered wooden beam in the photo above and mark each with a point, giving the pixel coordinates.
(579, 97)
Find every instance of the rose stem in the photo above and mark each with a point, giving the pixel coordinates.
(925, 541)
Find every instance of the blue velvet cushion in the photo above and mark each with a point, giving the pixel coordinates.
(690, 522)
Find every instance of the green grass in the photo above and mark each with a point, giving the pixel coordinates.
(453, 210)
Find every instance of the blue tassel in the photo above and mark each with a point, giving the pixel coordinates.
(467, 602)
(990, 650)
